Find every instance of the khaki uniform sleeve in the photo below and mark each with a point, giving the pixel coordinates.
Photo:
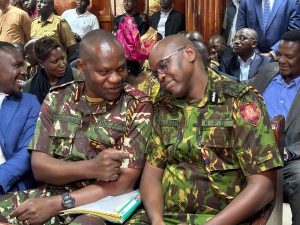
(255, 145)
(66, 35)
(26, 25)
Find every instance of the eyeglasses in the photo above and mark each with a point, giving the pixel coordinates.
(163, 64)
(242, 38)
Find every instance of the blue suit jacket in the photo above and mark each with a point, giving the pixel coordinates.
(18, 118)
(285, 16)
(231, 66)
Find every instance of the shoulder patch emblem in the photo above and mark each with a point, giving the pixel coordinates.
(250, 112)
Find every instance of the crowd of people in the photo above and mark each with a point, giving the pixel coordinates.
(87, 113)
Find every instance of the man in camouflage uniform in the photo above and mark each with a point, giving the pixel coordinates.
(211, 151)
(84, 132)
(50, 25)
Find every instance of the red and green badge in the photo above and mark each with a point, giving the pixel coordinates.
(251, 113)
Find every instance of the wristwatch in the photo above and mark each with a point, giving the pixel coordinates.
(67, 201)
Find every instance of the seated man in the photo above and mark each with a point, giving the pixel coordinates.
(18, 115)
(245, 63)
(211, 152)
(280, 86)
(84, 132)
(140, 19)
(80, 20)
(168, 21)
(218, 51)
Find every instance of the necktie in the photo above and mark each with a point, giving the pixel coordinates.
(267, 10)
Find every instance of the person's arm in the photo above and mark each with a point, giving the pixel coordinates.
(241, 20)
(293, 23)
(19, 164)
(95, 23)
(258, 192)
(151, 192)
(39, 210)
(26, 26)
(67, 38)
(105, 167)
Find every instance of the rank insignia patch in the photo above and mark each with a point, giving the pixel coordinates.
(250, 113)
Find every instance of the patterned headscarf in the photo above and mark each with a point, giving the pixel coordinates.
(136, 48)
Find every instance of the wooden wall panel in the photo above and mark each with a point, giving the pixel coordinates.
(205, 16)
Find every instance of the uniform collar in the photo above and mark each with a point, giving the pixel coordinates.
(213, 93)
(49, 20)
(87, 108)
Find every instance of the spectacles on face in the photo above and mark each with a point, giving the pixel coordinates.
(163, 64)
(242, 38)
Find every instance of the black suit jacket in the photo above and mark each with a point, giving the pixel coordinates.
(292, 122)
(231, 66)
(174, 23)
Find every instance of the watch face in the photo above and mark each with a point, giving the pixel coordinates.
(67, 201)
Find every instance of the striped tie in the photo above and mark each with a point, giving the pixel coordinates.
(267, 10)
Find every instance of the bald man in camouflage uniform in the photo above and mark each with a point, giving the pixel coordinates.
(212, 149)
(89, 141)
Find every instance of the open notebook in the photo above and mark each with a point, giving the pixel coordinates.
(112, 208)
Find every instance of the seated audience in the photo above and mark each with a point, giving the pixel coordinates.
(280, 86)
(80, 20)
(18, 115)
(86, 146)
(30, 8)
(218, 51)
(140, 19)
(211, 153)
(15, 24)
(50, 25)
(54, 69)
(270, 19)
(246, 62)
(168, 21)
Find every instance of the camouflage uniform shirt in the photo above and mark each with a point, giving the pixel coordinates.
(231, 123)
(71, 129)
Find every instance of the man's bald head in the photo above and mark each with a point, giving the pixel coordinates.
(248, 32)
(98, 40)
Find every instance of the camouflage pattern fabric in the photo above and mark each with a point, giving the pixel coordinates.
(231, 122)
(68, 128)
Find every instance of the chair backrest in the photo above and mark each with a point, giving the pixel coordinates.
(271, 214)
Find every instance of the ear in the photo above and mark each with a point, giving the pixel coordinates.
(80, 65)
(254, 43)
(190, 53)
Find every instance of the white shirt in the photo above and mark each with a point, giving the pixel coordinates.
(245, 67)
(80, 24)
(2, 158)
(161, 26)
(263, 5)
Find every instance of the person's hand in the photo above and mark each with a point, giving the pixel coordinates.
(106, 165)
(35, 211)
(213, 57)
(77, 37)
(266, 55)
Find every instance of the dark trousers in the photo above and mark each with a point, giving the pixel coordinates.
(291, 188)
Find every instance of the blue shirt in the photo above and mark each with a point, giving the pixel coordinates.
(279, 95)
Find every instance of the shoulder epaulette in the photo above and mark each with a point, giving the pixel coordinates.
(137, 94)
(234, 89)
(54, 88)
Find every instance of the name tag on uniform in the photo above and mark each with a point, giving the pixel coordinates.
(217, 123)
(110, 125)
(64, 118)
(168, 123)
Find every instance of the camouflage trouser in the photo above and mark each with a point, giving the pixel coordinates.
(11, 201)
(140, 218)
